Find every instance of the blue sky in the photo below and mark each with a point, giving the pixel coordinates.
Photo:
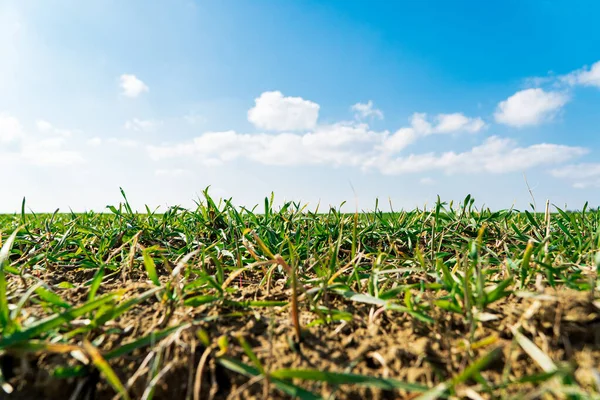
(316, 101)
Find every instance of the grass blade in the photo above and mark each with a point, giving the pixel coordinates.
(150, 267)
(339, 378)
(287, 388)
(150, 339)
(5, 321)
(48, 324)
(541, 358)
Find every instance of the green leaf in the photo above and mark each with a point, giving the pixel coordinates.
(449, 306)
(150, 267)
(48, 324)
(150, 339)
(223, 344)
(421, 316)
(199, 300)
(532, 219)
(95, 285)
(361, 298)
(51, 297)
(291, 390)
(525, 263)
(250, 354)
(477, 366)
(70, 372)
(498, 292)
(338, 378)
(5, 321)
(125, 306)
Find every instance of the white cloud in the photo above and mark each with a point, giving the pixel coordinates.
(458, 122)
(33, 149)
(44, 126)
(419, 123)
(530, 107)
(338, 144)
(132, 86)
(46, 150)
(421, 126)
(445, 123)
(496, 155)
(355, 145)
(49, 129)
(10, 128)
(582, 175)
(584, 76)
(272, 111)
(401, 139)
(365, 110)
(49, 152)
(95, 141)
(122, 142)
(538, 81)
(578, 171)
(141, 125)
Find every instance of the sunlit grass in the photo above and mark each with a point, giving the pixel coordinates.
(71, 283)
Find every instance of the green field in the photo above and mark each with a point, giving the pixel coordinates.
(224, 302)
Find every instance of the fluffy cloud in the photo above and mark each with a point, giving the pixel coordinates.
(530, 107)
(496, 155)
(44, 126)
(122, 142)
(115, 142)
(447, 123)
(421, 126)
(141, 125)
(354, 144)
(582, 175)
(132, 86)
(47, 149)
(365, 110)
(584, 76)
(274, 112)
(49, 129)
(95, 141)
(49, 152)
(10, 128)
(401, 139)
(337, 144)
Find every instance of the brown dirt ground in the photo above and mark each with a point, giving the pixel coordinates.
(565, 324)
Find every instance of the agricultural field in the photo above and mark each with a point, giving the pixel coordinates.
(222, 302)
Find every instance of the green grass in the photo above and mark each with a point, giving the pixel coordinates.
(77, 286)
